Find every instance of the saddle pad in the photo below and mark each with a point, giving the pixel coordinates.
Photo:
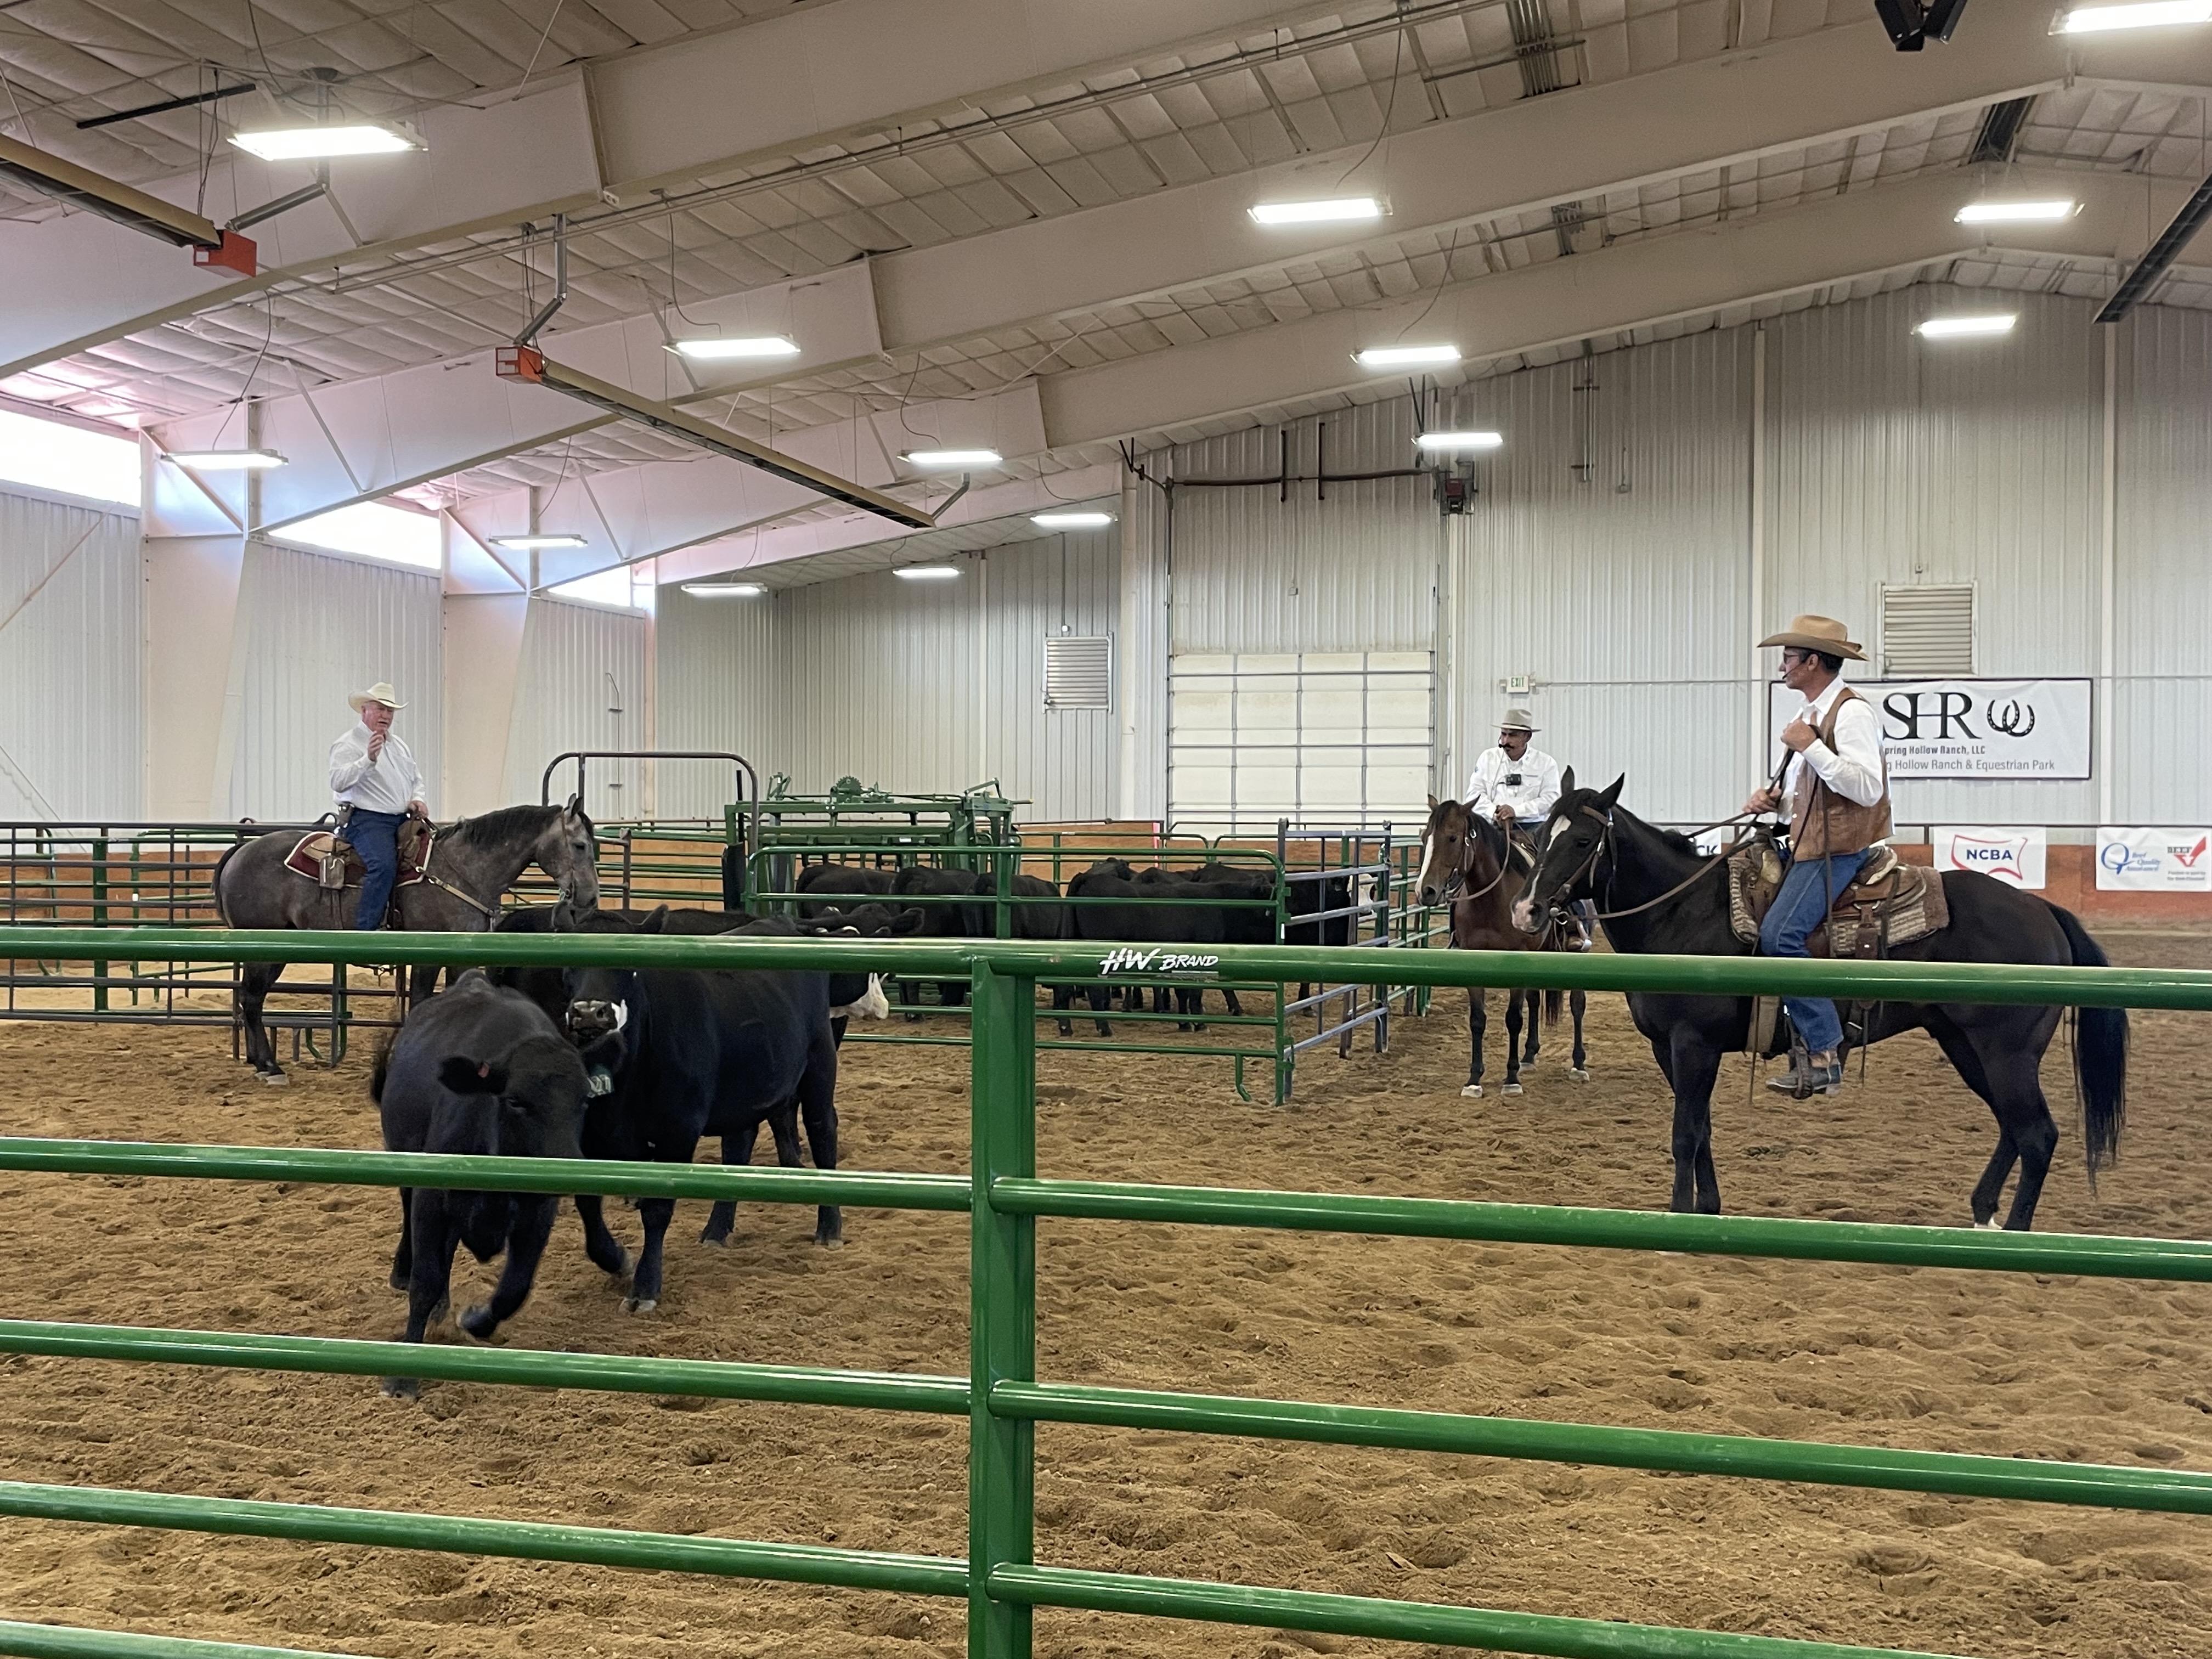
(1754, 876)
(1904, 901)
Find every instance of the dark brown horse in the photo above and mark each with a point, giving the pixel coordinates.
(474, 862)
(1475, 867)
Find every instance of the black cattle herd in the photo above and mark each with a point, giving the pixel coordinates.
(643, 1064)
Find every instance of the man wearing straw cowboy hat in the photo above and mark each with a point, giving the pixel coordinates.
(1837, 790)
(378, 787)
(1513, 783)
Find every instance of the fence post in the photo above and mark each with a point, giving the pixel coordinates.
(99, 919)
(1002, 1315)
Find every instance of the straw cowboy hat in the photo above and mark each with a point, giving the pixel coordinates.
(1516, 719)
(1822, 634)
(380, 692)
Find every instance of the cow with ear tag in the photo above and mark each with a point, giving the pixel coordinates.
(477, 1069)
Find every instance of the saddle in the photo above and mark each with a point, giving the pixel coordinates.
(331, 862)
(1889, 902)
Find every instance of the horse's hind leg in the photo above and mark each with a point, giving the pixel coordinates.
(1966, 1059)
(1578, 1002)
(2003, 1066)
(253, 984)
(1514, 1002)
(1533, 1000)
(1478, 1019)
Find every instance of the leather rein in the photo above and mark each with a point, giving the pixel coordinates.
(1745, 832)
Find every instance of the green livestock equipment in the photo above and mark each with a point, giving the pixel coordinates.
(1002, 1397)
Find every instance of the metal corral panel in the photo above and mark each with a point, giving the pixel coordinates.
(70, 656)
(1606, 558)
(582, 684)
(315, 627)
(1893, 459)
(2162, 701)
(1355, 572)
(719, 688)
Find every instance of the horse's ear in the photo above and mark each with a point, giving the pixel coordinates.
(1433, 803)
(1567, 781)
(1612, 794)
(575, 806)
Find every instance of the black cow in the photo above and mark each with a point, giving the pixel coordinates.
(829, 884)
(480, 1069)
(1205, 918)
(938, 892)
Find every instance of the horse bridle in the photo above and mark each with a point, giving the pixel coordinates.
(1451, 894)
(1588, 866)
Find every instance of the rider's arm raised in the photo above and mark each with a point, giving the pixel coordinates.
(1853, 768)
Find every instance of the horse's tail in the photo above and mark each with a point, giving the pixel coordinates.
(2100, 1056)
(215, 882)
(1555, 1004)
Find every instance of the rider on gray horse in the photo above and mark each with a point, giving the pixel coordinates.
(378, 787)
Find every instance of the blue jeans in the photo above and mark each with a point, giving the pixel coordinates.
(375, 836)
(1799, 907)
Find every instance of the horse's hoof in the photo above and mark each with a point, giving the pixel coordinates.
(1510, 1089)
(400, 1387)
(636, 1305)
(1472, 1091)
(276, 1079)
(1990, 1226)
(1580, 1074)
(715, 1241)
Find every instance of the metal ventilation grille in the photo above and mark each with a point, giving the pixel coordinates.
(1078, 670)
(1926, 632)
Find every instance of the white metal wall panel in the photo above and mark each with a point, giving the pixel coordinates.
(1894, 458)
(1140, 656)
(1252, 572)
(718, 688)
(314, 628)
(1058, 760)
(582, 684)
(1620, 590)
(70, 688)
(2162, 697)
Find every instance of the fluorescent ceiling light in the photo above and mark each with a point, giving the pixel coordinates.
(715, 351)
(226, 460)
(1402, 356)
(1944, 328)
(2015, 213)
(953, 457)
(2088, 20)
(723, 590)
(1070, 520)
(1337, 210)
(924, 573)
(1460, 439)
(311, 143)
(524, 544)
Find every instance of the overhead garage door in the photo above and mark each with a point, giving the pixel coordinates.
(1319, 737)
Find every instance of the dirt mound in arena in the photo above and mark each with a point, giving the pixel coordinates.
(2052, 1368)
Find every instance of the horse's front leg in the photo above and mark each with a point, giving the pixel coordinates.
(1515, 1002)
(1694, 1065)
(1478, 1019)
(1577, 1004)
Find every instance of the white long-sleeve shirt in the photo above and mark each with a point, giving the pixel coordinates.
(1853, 768)
(389, 783)
(1531, 799)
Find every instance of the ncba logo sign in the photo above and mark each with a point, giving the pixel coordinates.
(1127, 959)
(1995, 855)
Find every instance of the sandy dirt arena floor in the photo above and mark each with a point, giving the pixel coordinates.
(2048, 1368)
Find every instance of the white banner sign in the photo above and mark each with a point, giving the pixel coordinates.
(2154, 860)
(1969, 728)
(2012, 856)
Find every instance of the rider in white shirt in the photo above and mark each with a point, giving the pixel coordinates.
(1513, 783)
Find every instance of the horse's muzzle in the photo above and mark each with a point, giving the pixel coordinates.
(1524, 916)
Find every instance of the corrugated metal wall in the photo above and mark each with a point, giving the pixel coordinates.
(719, 688)
(583, 684)
(69, 662)
(1059, 760)
(313, 628)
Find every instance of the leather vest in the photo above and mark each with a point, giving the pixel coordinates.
(1823, 824)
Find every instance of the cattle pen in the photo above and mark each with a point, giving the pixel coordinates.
(1004, 1195)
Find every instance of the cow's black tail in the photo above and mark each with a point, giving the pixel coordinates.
(2100, 1056)
(383, 1068)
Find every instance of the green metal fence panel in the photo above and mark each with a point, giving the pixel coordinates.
(66, 1642)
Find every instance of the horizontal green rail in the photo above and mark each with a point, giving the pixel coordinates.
(340, 1167)
(2171, 1491)
(526, 1541)
(532, 1368)
(1732, 976)
(1403, 1621)
(24, 1641)
(2173, 1259)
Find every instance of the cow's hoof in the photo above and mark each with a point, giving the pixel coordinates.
(479, 1323)
(640, 1306)
(398, 1282)
(1510, 1089)
(400, 1387)
(1472, 1091)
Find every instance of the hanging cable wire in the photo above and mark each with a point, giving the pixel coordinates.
(1391, 106)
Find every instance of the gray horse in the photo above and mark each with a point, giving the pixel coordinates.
(474, 862)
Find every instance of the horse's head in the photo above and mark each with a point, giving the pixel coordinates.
(565, 851)
(1444, 845)
(1568, 847)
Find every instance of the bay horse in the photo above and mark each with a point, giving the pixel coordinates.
(1656, 893)
(1470, 863)
(471, 864)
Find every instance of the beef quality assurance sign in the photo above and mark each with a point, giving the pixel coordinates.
(1971, 728)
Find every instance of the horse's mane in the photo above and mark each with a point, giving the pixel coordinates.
(503, 822)
(1673, 839)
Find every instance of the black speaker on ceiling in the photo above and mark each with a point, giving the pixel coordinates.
(1910, 25)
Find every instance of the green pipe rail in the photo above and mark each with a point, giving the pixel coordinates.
(1002, 1398)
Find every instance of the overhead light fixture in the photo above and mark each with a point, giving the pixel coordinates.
(1336, 210)
(720, 351)
(1405, 356)
(524, 543)
(926, 573)
(2159, 14)
(723, 590)
(2015, 213)
(1946, 328)
(1070, 520)
(226, 460)
(1444, 440)
(320, 143)
(947, 457)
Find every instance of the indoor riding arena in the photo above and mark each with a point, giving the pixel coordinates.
(843, 830)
